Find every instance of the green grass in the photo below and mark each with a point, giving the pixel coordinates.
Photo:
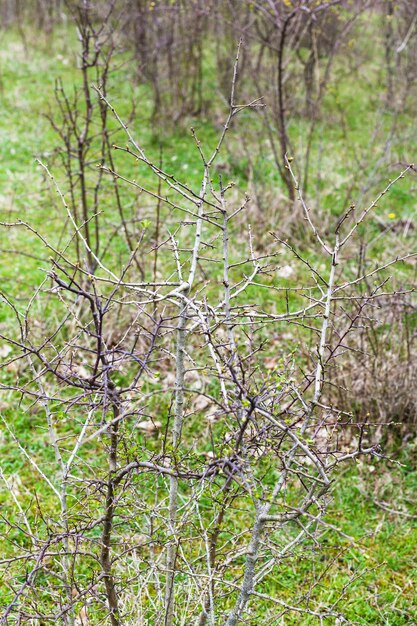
(383, 552)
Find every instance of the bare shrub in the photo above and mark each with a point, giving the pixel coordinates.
(188, 454)
(178, 397)
(86, 137)
(376, 380)
(167, 38)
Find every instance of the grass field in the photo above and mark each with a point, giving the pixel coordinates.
(374, 564)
